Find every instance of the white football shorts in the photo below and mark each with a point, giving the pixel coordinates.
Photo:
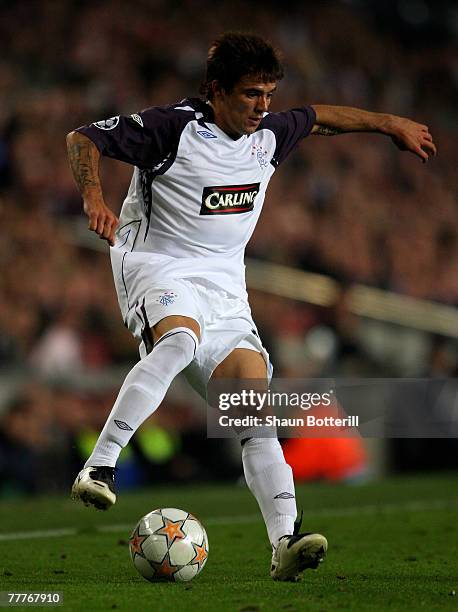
(225, 320)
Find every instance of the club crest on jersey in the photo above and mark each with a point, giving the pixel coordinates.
(107, 124)
(228, 199)
(261, 155)
(206, 134)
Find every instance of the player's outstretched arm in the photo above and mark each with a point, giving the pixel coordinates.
(84, 161)
(407, 135)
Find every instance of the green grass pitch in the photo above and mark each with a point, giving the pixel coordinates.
(392, 546)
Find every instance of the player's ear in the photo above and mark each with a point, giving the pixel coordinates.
(216, 88)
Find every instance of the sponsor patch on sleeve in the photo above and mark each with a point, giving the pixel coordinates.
(107, 124)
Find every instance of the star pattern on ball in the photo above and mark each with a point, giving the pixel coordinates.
(164, 569)
(136, 542)
(201, 555)
(172, 530)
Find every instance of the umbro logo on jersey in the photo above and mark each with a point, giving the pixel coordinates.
(206, 134)
(228, 199)
(138, 119)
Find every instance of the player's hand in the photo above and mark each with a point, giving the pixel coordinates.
(410, 136)
(102, 220)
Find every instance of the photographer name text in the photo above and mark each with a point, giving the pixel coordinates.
(273, 421)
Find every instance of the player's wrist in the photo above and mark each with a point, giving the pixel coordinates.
(92, 195)
(386, 124)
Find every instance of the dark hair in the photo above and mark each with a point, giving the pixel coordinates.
(235, 55)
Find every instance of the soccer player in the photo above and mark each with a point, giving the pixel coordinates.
(201, 170)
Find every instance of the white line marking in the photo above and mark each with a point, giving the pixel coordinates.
(44, 533)
(413, 506)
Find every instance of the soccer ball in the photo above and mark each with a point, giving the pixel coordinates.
(169, 544)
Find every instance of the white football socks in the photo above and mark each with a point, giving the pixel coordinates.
(270, 479)
(142, 391)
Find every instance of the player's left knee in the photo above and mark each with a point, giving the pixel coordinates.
(242, 364)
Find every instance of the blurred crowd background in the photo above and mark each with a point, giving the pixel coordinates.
(350, 207)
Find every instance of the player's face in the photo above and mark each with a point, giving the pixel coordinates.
(240, 111)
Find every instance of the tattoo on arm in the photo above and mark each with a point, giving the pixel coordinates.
(324, 130)
(84, 159)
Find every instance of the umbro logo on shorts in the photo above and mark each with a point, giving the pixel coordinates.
(284, 495)
(228, 199)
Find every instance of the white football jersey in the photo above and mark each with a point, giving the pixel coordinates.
(196, 193)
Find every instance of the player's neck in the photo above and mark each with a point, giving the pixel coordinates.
(222, 123)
